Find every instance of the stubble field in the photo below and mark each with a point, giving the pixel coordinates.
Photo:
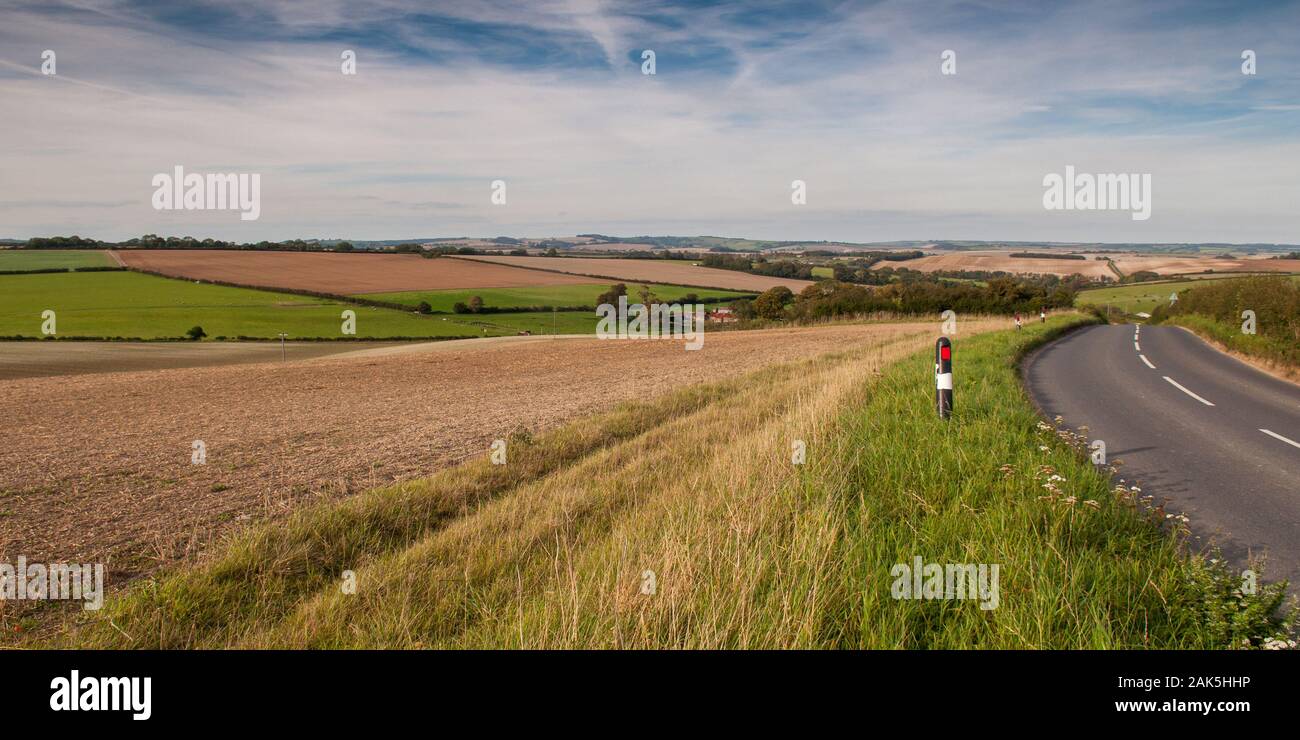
(1002, 261)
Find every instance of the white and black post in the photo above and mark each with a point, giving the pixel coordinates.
(943, 377)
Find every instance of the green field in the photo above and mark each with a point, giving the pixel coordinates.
(52, 259)
(540, 295)
(1140, 296)
(128, 304)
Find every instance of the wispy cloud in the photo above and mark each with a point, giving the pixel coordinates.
(549, 97)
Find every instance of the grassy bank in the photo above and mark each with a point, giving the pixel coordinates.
(684, 522)
(1274, 355)
(1217, 311)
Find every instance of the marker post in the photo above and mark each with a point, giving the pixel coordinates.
(943, 377)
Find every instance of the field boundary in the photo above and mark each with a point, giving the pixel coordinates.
(625, 281)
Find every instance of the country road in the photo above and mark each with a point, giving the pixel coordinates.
(1218, 438)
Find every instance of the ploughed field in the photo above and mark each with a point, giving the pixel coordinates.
(337, 273)
(43, 359)
(676, 272)
(99, 467)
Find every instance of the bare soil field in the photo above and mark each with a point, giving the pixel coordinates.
(1183, 264)
(1002, 260)
(97, 468)
(337, 273)
(656, 271)
(44, 359)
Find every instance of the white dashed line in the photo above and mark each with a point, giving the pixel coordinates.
(1291, 442)
(1148, 362)
(1137, 346)
(1184, 390)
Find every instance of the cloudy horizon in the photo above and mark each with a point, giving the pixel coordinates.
(550, 98)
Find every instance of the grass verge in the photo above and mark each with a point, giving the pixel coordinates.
(1271, 354)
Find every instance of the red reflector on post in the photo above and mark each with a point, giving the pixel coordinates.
(945, 352)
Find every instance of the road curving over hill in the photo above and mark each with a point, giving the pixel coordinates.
(1217, 437)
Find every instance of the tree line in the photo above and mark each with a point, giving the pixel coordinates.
(832, 298)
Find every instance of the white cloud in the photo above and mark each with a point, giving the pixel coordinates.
(888, 147)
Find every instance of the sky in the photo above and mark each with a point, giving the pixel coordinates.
(550, 97)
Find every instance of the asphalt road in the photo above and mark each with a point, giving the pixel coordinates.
(1189, 424)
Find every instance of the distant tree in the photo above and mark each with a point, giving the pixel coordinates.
(646, 295)
(690, 298)
(519, 252)
(772, 302)
(424, 307)
(459, 307)
(552, 252)
(611, 296)
(475, 304)
(343, 247)
(744, 308)
(196, 333)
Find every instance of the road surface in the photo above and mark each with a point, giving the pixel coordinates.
(1215, 436)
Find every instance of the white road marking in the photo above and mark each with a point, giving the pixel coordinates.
(1291, 442)
(1184, 390)
(1148, 362)
(1137, 346)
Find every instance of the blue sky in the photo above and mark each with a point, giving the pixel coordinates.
(549, 97)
